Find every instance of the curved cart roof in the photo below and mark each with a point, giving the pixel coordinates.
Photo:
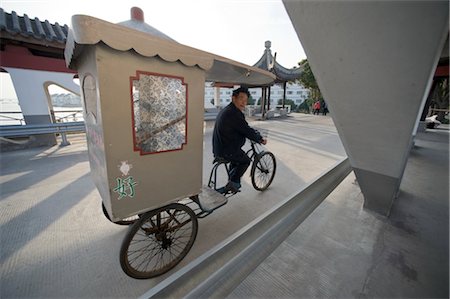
(88, 30)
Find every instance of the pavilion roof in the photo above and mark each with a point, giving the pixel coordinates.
(268, 62)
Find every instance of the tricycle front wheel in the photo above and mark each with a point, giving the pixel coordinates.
(158, 241)
(263, 170)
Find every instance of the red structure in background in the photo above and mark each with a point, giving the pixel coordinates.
(441, 71)
(32, 44)
(19, 56)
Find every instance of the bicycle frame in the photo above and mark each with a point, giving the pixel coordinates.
(251, 153)
(254, 150)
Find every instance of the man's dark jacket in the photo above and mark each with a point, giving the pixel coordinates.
(230, 131)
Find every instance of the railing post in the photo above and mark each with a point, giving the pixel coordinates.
(64, 141)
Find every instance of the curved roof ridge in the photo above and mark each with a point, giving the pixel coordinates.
(268, 62)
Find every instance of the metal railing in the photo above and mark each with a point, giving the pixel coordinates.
(217, 272)
(54, 128)
(210, 115)
(433, 111)
(4, 117)
(73, 116)
(68, 115)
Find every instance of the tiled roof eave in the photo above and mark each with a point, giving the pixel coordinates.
(32, 40)
(24, 29)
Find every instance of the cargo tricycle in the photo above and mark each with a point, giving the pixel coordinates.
(143, 105)
(159, 239)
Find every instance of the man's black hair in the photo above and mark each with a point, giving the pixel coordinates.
(241, 89)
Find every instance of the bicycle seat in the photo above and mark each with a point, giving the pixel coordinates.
(220, 160)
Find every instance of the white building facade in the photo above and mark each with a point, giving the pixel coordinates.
(294, 91)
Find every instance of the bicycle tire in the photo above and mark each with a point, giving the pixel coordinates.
(158, 241)
(126, 221)
(263, 170)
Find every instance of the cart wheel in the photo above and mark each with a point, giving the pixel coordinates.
(263, 170)
(126, 221)
(158, 241)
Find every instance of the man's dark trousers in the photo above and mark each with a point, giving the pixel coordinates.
(239, 164)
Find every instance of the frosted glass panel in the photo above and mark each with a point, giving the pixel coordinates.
(159, 110)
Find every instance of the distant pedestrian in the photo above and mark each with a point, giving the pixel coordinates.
(316, 107)
(325, 108)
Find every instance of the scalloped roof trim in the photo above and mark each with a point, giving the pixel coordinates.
(88, 30)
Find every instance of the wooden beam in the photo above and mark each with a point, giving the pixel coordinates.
(20, 57)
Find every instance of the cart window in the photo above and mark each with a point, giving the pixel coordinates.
(159, 111)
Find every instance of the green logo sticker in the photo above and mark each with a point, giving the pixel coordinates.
(125, 187)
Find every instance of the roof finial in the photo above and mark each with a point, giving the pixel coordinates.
(268, 44)
(137, 14)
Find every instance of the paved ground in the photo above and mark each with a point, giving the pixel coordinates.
(343, 251)
(55, 241)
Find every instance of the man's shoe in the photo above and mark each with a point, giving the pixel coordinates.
(233, 187)
(230, 187)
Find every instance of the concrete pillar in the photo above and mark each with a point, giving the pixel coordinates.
(374, 62)
(31, 90)
(217, 97)
(263, 101)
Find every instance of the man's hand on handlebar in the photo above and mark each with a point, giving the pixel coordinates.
(264, 141)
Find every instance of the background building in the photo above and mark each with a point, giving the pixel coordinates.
(294, 91)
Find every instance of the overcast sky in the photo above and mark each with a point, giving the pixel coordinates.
(235, 29)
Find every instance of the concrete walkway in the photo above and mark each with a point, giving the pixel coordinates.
(343, 251)
(55, 241)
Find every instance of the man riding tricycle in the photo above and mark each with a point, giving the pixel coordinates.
(143, 101)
